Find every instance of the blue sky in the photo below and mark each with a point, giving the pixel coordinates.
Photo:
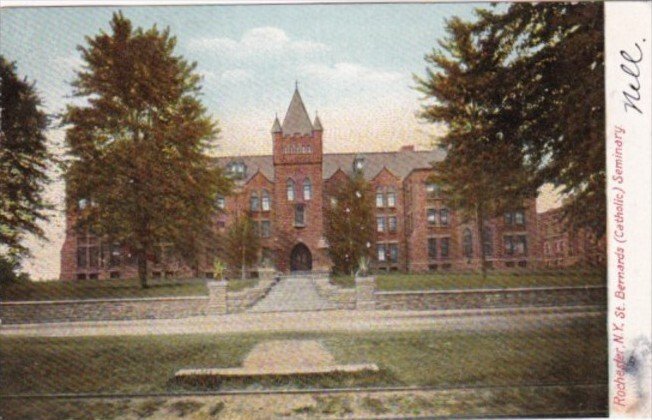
(354, 64)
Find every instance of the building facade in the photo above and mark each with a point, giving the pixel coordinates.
(286, 193)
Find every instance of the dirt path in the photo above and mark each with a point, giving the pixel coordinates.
(319, 321)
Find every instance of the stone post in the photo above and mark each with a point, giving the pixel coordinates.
(216, 297)
(364, 293)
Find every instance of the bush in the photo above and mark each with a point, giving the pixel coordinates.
(9, 271)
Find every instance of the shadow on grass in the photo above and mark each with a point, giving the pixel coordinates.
(301, 381)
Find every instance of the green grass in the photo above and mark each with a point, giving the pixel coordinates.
(449, 281)
(572, 354)
(110, 288)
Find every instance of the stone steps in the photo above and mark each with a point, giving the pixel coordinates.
(293, 294)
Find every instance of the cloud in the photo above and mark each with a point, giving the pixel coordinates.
(230, 77)
(263, 42)
(349, 73)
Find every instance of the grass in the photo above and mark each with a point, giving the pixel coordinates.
(449, 281)
(572, 354)
(110, 288)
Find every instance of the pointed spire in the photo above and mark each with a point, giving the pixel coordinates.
(296, 119)
(276, 128)
(316, 126)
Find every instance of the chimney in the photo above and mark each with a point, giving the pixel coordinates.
(407, 148)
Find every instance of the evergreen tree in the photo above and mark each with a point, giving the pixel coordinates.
(484, 172)
(24, 161)
(242, 245)
(139, 144)
(556, 81)
(350, 224)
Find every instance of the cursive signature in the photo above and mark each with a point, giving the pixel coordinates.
(632, 94)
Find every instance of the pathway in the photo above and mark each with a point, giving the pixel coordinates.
(292, 294)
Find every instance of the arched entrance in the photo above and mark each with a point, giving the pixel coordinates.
(300, 258)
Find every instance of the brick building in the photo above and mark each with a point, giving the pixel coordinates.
(285, 194)
(562, 247)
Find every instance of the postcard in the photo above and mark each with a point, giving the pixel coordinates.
(249, 210)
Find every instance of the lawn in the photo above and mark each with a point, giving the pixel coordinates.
(449, 281)
(573, 354)
(110, 288)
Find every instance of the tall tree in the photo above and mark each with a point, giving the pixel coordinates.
(139, 145)
(242, 244)
(485, 171)
(24, 161)
(557, 83)
(350, 229)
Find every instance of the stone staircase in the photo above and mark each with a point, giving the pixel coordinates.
(294, 293)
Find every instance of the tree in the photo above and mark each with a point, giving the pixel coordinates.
(242, 244)
(557, 84)
(484, 172)
(24, 161)
(138, 145)
(350, 224)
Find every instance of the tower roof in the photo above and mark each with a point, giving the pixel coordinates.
(296, 119)
(276, 128)
(317, 124)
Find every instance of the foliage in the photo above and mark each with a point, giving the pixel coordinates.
(558, 74)
(139, 145)
(363, 266)
(9, 274)
(242, 244)
(484, 172)
(218, 269)
(350, 224)
(24, 161)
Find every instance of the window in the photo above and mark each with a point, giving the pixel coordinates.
(432, 190)
(393, 253)
(391, 199)
(467, 243)
(515, 245)
(432, 248)
(509, 218)
(307, 189)
(444, 243)
(299, 215)
(81, 276)
(488, 242)
(115, 255)
(82, 259)
(443, 217)
(380, 198)
(94, 257)
(358, 164)
(266, 201)
(255, 226)
(380, 248)
(236, 170)
(392, 222)
(519, 217)
(432, 217)
(255, 202)
(380, 224)
(221, 202)
(265, 228)
(290, 190)
(82, 204)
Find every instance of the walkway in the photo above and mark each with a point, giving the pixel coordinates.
(293, 294)
(322, 321)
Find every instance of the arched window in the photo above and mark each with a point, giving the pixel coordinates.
(255, 203)
(266, 201)
(307, 189)
(488, 242)
(290, 190)
(467, 243)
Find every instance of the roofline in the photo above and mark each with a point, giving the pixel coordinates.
(329, 154)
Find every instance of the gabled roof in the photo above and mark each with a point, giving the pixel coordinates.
(400, 163)
(296, 118)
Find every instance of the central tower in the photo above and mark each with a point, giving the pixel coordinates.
(298, 190)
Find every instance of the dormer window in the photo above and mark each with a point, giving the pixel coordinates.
(237, 170)
(358, 164)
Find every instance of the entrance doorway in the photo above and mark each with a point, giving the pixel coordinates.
(300, 258)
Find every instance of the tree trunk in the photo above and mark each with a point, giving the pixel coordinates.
(479, 216)
(142, 268)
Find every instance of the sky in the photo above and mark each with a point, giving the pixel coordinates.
(354, 65)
